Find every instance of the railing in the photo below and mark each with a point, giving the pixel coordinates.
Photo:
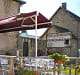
(9, 67)
(69, 68)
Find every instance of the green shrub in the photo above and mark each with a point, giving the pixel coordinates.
(23, 71)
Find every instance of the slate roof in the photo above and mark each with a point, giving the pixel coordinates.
(73, 15)
(67, 11)
(61, 29)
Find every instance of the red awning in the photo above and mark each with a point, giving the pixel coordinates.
(23, 21)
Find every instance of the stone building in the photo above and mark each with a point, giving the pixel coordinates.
(8, 40)
(64, 33)
(64, 21)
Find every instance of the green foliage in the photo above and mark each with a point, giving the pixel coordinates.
(23, 71)
(55, 56)
(58, 57)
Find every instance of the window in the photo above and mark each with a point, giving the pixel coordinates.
(66, 41)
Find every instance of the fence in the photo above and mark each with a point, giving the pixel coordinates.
(72, 67)
(7, 66)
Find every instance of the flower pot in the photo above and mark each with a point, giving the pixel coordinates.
(59, 62)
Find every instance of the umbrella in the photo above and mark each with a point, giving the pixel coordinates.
(24, 21)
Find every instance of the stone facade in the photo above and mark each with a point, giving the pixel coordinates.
(8, 41)
(8, 8)
(68, 20)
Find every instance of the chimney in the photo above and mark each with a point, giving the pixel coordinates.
(64, 6)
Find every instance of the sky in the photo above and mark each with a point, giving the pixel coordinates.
(48, 8)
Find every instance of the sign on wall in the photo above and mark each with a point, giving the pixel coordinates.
(58, 39)
(41, 62)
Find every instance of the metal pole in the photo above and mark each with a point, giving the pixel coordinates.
(36, 39)
(36, 34)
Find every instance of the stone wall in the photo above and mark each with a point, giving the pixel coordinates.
(8, 41)
(8, 8)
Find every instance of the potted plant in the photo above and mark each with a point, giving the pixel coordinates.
(58, 58)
